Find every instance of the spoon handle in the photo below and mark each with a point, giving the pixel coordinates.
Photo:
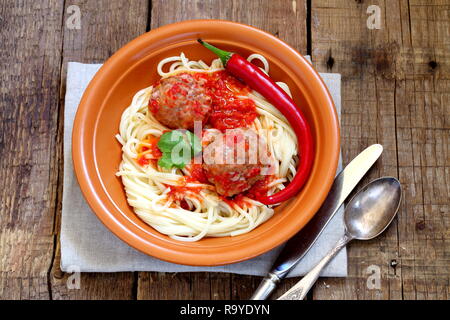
(299, 291)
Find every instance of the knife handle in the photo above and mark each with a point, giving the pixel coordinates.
(266, 287)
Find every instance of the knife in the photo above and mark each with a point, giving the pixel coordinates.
(296, 248)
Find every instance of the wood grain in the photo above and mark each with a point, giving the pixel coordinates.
(285, 19)
(423, 127)
(105, 27)
(394, 84)
(30, 59)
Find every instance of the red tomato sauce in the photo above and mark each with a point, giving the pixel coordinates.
(184, 204)
(228, 110)
(180, 191)
(148, 151)
(142, 161)
(197, 173)
(238, 200)
(260, 188)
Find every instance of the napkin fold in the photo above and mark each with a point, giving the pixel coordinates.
(87, 246)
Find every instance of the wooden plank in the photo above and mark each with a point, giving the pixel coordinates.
(423, 122)
(30, 58)
(366, 59)
(285, 19)
(105, 27)
(173, 286)
(220, 286)
(395, 82)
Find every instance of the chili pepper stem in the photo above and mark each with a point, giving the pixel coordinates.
(222, 54)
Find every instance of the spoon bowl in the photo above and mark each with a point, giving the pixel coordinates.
(366, 215)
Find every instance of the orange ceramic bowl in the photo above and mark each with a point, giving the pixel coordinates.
(97, 154)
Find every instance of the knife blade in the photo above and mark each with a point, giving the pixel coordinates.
(296, 248)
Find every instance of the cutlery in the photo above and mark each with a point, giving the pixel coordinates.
(366, 216)
(299, 244)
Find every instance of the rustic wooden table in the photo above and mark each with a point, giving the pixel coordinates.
(395, 91)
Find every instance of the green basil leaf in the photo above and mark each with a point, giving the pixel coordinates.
(165, 161)
(169, 140)
(178, 148)
(181, 154)
(180, 165)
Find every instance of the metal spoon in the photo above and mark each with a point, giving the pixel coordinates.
(366, 216)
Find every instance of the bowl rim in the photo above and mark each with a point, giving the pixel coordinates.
(85, 176)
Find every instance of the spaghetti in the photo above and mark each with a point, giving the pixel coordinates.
(179, 202)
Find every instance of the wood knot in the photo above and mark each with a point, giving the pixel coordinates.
(432, 64)
(330, 62)
(382, 61)
(378, 61)
(420, 225)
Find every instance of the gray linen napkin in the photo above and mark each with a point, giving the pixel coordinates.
(87, 246)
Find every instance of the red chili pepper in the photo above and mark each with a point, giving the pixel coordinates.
(262, 83)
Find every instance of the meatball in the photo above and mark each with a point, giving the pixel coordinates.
(231, 161)
(179, 100)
